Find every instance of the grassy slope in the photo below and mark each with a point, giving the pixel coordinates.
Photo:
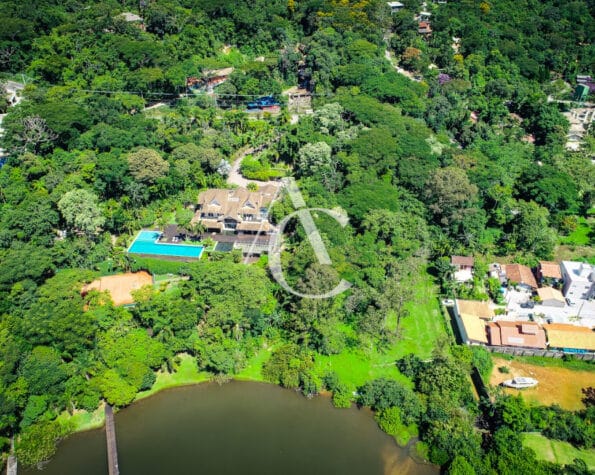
(556, 450)
(420, 330)
(83, 420)
(186, 373)
(580, 236)
(253, 370)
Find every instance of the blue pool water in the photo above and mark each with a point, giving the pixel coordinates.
(145, 243)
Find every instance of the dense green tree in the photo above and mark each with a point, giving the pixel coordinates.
(147, 165)
(450, 195)
(531, 230)
(288, 366)
(44, 372)
(314, 158)
(80, 211)
(57, 317)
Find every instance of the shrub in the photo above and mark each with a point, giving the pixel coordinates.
(342, 396)
(390, 422)
(504, 369)
(157, 266)
(482, 360)
(37, 443)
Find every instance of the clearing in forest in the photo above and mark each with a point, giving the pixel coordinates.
(120, 286)
(420, 331)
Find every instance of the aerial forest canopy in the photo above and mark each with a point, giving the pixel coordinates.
(460, 149)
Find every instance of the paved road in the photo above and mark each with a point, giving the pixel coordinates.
(236, 178)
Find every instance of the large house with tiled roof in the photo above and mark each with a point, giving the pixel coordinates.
(519, 334)
(238, 211)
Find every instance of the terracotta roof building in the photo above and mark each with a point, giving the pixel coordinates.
(520, 275)
(424, 28)
(548, 270)
(462, 261)
(235, 210)
(463, 267)
(570, 337)
(522, 334)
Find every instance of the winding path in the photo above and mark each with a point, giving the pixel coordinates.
(236, 178)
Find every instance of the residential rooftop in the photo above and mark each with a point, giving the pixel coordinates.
(520, 274)
(561, 335)
(462, 261)
(522, 334)
(550, 269)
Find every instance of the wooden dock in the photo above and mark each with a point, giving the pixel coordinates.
(112, 448)
(11, 465)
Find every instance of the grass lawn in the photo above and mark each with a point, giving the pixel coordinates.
(580, 236)
(186, 373)
(573, 364)
(574, 253)
(556, 450)
(420, 330)
(82, 420)
(253, 370)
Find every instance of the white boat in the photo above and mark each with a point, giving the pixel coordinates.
(520, 383)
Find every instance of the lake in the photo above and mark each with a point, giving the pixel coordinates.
(237, 428)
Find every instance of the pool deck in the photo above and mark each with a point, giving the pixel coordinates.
(157, 243)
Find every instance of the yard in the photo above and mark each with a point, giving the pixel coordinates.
(556, 450)
(420, 331)
(558, 384)
(581, 236)
(186, 373)
(82, 420)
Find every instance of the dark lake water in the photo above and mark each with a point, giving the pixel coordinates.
(237, 428)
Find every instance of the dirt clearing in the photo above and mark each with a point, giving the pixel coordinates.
(120, 286)
(556, 385)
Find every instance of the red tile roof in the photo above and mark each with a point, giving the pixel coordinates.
(550, 269)
(520, 274)
(524, 334)
(462, 261)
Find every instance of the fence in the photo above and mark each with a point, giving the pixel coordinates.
(511, 350)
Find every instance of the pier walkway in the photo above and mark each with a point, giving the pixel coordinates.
(112, 448)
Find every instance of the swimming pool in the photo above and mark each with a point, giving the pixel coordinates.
(146, 243)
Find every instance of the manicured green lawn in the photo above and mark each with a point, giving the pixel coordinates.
(556, 450)
(187, 373)
(420, 330)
